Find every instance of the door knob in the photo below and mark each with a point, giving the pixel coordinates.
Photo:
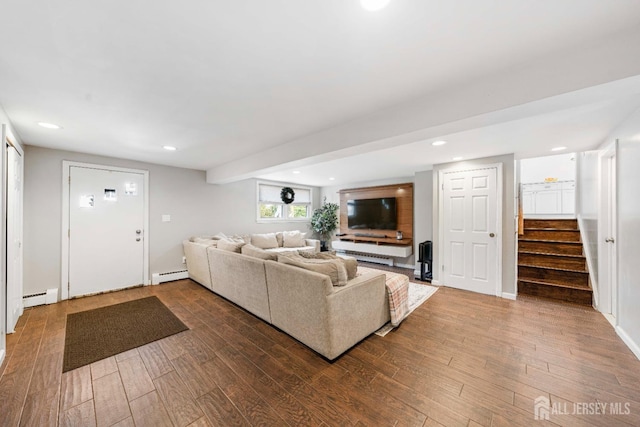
(492, 234)
(137, 239)
(138, 231)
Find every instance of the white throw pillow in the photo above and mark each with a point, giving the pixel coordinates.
(264, 241)
(293, 239)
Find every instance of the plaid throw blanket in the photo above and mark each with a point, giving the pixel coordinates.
(397, 292)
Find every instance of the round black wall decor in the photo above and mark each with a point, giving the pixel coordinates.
(287, 195)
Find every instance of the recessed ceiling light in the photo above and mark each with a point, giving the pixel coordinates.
(436, 143)
(331, 178)
(373, 5)
(458, 158)
(49, 125)
(558, 148)
(296, 172)
(169, 147)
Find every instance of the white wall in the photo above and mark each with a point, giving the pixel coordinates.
(195, 207)
(587, 202)
(562, 167)
(508, 215)
(422, 210)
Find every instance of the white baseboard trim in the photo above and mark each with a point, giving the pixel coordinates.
(436, 283)
(610, 319)
(157, 278)
(2, 354)
(633, 346)
(507, 295)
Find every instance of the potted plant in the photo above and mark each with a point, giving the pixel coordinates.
(324, 222)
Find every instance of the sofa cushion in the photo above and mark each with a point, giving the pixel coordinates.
(330, 267)
(293, 239)
(256, 252)
(350, 263)
(264, 241)
(230, 245)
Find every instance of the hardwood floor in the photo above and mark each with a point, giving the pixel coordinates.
(461, 359)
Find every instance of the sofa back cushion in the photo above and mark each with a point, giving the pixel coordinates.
(230, 245)
(329, 267)
(293, 239)
(350, 263)
(256, 252)
(264, 241)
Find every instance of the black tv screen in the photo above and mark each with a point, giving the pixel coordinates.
(372, 214)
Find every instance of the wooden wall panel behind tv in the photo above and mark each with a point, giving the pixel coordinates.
(404, 206)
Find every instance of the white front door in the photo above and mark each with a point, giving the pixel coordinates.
(14, 237)
(471, 226)
(106, 230)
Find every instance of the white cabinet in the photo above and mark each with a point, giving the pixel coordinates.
(548, 198)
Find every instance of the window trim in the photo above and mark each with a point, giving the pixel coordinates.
(278, 184)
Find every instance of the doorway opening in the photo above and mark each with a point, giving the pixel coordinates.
(551, 259)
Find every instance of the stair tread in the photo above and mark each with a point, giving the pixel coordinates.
(551, 254)
(554, 268)
(571, 242)
(558, 285)
(549, 229)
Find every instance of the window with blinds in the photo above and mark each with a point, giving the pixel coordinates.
(272, 208)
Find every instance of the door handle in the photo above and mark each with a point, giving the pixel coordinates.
(138, 231)
(610, 240)
(492, 234)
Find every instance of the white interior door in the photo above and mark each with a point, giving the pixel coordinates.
(471, 226)
(607, 235)
(14, 237)
(106, 230)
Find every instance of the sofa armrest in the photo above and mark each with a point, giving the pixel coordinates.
(356, 311)
(197, 262)
(313, 242)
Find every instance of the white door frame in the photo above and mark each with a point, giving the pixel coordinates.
(66, 167)
(499, 225)
(14, 232)
(605, 270)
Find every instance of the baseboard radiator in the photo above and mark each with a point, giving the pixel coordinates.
(157, 278)
(42, 298)
(378, 259)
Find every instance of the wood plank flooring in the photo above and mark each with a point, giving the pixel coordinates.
(461, 359)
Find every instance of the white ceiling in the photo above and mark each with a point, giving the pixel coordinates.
(226, 81)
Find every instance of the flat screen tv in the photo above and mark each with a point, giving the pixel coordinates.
(372, 214)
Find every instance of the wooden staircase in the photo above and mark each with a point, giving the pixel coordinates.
(551, 262)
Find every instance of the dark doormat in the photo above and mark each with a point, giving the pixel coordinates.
(96, 334)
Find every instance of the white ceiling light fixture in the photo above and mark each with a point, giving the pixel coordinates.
(49, 125)
(296, 172)
(437, 143)
(455, 159)
(169, 147)
(374, 5)
(331, 178)
(558, 148)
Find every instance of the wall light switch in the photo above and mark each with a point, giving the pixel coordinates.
(166, 218)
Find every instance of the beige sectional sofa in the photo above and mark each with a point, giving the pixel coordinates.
(305, 304)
